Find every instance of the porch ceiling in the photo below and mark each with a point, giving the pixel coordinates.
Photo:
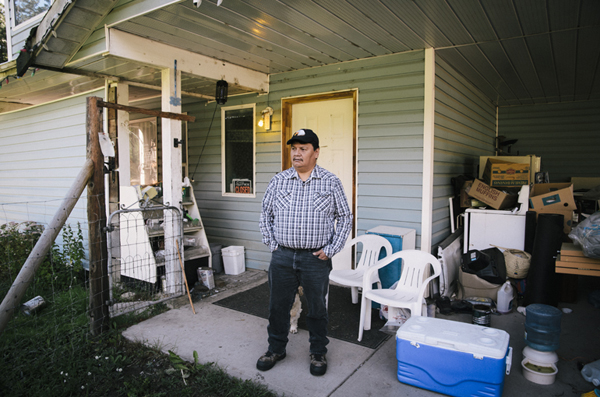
(516, 51)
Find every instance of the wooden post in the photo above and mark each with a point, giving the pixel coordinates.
(99, 288)
(13, 298)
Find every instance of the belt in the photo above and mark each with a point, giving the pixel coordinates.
(300, 249)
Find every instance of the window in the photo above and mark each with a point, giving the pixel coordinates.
(24, 10)
(237, 150)
(143, 151)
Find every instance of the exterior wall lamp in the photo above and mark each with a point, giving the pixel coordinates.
(265, 120)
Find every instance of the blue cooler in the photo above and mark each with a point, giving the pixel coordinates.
(453, 358)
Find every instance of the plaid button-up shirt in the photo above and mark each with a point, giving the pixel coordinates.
(306, 215)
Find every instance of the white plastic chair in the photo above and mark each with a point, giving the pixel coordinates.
(409, 293)
(371, 248)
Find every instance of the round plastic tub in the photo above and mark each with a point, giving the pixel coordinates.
(543, 374)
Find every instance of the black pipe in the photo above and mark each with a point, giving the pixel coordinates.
(542, 283)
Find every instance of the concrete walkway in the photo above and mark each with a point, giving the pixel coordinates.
(234, 341)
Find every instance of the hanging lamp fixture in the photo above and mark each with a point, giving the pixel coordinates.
(221, 94)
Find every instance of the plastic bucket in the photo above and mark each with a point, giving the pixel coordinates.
(234, 260)
(217, 263)
(542, 327)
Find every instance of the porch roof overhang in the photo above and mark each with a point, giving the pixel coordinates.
(516, 52)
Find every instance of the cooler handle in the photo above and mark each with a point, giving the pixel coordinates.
(509, 360)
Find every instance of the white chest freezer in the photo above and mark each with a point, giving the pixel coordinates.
(485, 228)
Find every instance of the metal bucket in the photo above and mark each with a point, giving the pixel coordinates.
(481, 315)
(205, 274)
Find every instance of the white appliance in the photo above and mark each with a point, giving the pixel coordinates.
(485, 228)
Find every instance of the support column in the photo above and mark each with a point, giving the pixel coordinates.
(171, 171)
(428, 152)
(123, 135)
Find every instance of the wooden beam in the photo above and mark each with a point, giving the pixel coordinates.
(96, 211)
(128, 46)
(150, 112)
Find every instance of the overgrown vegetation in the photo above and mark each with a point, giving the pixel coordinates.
(60, 270)
(51, 352)
(3, 44)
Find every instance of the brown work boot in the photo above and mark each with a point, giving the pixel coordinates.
(318, 364)
(268, 360)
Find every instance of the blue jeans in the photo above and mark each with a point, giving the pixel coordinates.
(289, 269)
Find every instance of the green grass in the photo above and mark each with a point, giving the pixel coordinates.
(52, 354)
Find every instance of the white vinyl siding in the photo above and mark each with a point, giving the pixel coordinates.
(42, 149)
(566, 136)
(465, 128)
(389, 158)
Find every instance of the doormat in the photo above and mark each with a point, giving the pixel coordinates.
(343, 315)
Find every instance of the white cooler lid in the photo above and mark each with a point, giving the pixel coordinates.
(454, 335)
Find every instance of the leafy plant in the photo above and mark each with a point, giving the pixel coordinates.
(60, 270)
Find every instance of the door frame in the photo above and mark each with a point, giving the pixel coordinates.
(286, 130)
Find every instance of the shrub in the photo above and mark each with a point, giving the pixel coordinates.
(60, 270)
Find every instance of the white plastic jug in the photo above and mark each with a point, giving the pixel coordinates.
(591, 372)
(505, 298)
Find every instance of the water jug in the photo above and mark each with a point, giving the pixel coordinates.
(542, 327)
(591, 372)
(505, 298)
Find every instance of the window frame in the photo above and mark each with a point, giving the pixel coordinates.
(153, 121)
(25, 24)
(224, 191)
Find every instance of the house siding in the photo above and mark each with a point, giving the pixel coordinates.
(465, 128)
(389, 149)
(566, 136)
(42, 149)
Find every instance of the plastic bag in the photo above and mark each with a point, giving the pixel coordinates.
(587, 235)
(397, 319)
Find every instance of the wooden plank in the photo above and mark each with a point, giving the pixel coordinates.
(157, 113)
(570, 249)
(578, 259)
(581, 272)
(576, 265)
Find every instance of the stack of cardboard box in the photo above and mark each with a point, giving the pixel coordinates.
(501, 179)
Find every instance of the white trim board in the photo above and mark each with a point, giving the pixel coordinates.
(136, 48)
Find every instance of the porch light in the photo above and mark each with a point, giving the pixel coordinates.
(265, 120)
(221, 94)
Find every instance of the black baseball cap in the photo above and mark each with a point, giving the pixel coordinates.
(305, 136)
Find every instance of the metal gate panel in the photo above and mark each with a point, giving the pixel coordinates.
(144, 266)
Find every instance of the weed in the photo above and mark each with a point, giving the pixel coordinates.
(52, 353)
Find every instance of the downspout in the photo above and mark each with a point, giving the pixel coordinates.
(428, 146)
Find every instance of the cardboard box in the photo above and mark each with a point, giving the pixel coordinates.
(554, 198)
(549, 198)
(535, 163)
(465, 199)
(493, 197)
(502, 173)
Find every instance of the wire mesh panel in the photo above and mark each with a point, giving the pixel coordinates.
(144, 257)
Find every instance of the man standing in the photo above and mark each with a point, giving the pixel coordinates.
(305, 221)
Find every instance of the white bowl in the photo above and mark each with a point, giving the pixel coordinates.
(539, 377)
(540, 357)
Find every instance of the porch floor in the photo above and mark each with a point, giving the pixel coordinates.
(234, 341)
